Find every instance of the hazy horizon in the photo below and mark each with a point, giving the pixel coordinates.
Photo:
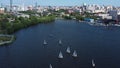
(61, 2)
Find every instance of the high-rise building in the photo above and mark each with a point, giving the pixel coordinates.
(11, 1)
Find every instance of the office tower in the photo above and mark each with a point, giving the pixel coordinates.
(11, 5)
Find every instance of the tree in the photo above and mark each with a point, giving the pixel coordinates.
(79, 17)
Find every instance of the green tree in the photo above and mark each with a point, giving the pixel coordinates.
(79, 17)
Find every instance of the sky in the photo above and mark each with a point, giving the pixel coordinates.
(62, 2)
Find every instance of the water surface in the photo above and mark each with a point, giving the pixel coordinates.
(99, 43)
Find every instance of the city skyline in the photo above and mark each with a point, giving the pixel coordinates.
(61, 2)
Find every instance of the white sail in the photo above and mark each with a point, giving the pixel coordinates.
(44, 42)
(74, 53)
(93, 63)
(68, 49)
(50, 66)
(60, 55)
(60, 42)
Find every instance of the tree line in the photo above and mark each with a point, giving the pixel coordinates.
(17, 23)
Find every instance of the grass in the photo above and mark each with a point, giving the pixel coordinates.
(4, 38)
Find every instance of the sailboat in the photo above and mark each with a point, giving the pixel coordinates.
(93, 63)
(60, 55)
(68, 49)
(50, 66)
(74, 53)
(60, 42)
(44, 42)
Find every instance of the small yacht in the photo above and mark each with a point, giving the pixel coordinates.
(93, 63)
(68, 49)
(60, 42)
(50, 66)
(44, 42)
(60, 55)
(74, 53)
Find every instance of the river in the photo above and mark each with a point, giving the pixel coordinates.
(90, 42)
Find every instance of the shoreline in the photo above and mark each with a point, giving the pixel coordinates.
(102, 24)
(7, 42)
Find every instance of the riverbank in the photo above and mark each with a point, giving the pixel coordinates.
(10, 23)
(102, 24)
(6, 39)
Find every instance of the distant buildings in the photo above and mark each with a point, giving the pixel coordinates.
(102, 12)
(15, 8)
(115, 14)
(30, 7)
(22, 15)
(118, 18)
(95, 9)
(2, 10)
(104, 16)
